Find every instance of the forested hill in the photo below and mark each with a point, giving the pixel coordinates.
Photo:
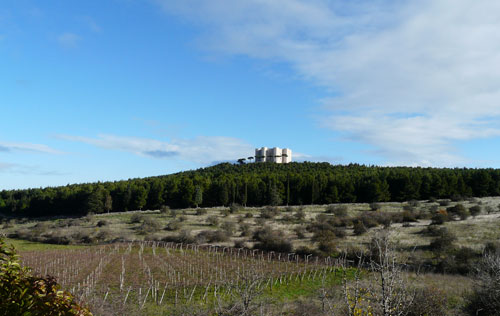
(254, 185)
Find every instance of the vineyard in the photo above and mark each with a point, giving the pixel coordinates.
(152, 277)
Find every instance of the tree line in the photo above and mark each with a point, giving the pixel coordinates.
(254, 184)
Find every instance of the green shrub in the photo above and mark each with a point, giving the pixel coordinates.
(269, 212)
(246, 229)
(359, 228)
(164, 209)
(337, 210)
(323, 236)
(327, 247)
(24, 294)
(484, 300)
(234, 208)
(374, 206)
(173, 225)
(300, 232)
(212, 236)
(184, 236)
(492, 248)
(428, 301)
(102, 223)
(443, 241)
(439, 218)
(300, 215)
(271, 240)
(213, 220)
(228, 227)
(201, 211)
(475, 210)
(136, 218)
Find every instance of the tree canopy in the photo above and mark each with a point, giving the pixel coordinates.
(254, 184)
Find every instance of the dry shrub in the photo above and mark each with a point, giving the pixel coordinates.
(485, 297)
(213, 220)
(201, 211)
(269, 212)
(212, 236)
(173, 226)
(271, 240)
(428, 301)
(337, 210)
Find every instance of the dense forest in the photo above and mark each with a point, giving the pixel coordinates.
(254, 184)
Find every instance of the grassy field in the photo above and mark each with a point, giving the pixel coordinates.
(239, 226)
(134, 263)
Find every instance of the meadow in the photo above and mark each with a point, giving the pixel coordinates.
(199, 260)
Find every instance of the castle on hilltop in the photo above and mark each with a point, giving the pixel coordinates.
(275, 154)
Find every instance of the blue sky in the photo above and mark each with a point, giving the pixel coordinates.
(109, 90)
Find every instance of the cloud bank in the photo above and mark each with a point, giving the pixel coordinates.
(201, 150)
(27, 147)
(411, 78)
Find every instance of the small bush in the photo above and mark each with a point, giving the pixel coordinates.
(414, 203)
(374, 206)
(260, 221)
(337, 210)
(475, 210)
(440, 218)
(300, 215)
(149, 225)
(457, 198)
(485, 297)
(136, 218)
(443, 241)
(102, 223)
(212, 236)
(269, 212)
(239, 244)
(409, 217)
(444, 203)
(173, 226)
(184, 236)
(428, 301)
(234, 208)
(248, 215)
(201, 211)
(213, 220)
(359, 228)
(271, 240)
(300, 231)
(339, 232)
(246, 229)
(225, 212)
(229, 227)
(164, 209)
(458, 210)
(327, 247)
(492, 248)
(104, 235)
(323, 236)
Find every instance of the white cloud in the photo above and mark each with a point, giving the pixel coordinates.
(410, 78)
(39, 148)
(68, 40)
(202, 149)
(91, 24)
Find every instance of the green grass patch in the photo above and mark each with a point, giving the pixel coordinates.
(24, 245)
(298, 287)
